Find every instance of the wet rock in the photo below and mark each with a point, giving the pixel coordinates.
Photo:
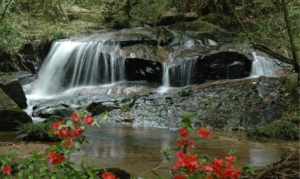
(101, 107)
(223, 65)
(144, 52)
(25, 77)
(12, 87)
(11, 114)
(229, 104)
(52, 111)
(129, 37)
(143, 70)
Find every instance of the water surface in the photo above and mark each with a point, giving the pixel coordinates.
(139, 150)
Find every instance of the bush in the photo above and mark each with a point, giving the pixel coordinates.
(287, 127)
(36, 132)
(10, 38)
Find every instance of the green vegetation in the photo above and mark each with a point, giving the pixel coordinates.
(36, 132)
(257, 21)
(287, 127)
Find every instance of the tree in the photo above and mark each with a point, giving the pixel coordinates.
(295, 49)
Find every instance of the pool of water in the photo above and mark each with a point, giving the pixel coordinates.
(140, 150)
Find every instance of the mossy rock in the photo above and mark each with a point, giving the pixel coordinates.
(12, 87)
(11, 114)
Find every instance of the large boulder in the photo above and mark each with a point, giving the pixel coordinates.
(12, 87)
(223, 65)
(229, 104)
(143, 70)
(11, 114)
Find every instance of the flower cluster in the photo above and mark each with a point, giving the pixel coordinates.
(70, 131)
(108, 175)
(56, 158)
(188, 164)
(7, 170)
(223, 168)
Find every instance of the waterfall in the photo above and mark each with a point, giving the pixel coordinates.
(264, 66)
(166, 79)
(73, 64)
(176, 73)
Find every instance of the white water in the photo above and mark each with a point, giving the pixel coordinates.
(175, 71)
(264, 66)
(72, 64)
(166, 79)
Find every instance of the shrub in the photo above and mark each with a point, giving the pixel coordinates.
(10, 38)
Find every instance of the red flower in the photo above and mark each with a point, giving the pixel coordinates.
(186, 143)
(56, 125)
(204, 133)
(89, 120)
(108, 175)
(218, 166)
(69, 143)
(184, 132)
(78, 132)
(230, 159)
(189, 162)
(208, 168)
(180, 177)
(64, 133)
(7, 170)
(75, 117)
(56, 158)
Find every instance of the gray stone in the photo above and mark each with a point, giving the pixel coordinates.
(11, 114)
(12, 87)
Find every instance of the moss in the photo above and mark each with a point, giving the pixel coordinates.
(288, 127)
(36, 132)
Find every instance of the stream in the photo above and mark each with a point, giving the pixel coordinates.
(140, 150)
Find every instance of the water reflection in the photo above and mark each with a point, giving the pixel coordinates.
(138, 150)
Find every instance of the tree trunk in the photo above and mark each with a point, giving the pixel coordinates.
(294, 49)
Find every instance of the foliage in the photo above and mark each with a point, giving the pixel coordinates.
(286, 128)
(10, 38)
(150, 11)
(191, 165)
(56, 163)
(36, 132)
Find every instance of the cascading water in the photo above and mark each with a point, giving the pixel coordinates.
(72, 64)
(176, 73)
(264, 66)
(166, 79)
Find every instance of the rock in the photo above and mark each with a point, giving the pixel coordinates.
(25, 77)
(6, 63)
(228, 104)
(172, 17)
(101, 107)
(29, 58)
(11, 114)
(129, 37)
(144, 52)
(143, 70)
(119, 173)
(52, 111)
(12, 87)
(200, 29)
(223, 65)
